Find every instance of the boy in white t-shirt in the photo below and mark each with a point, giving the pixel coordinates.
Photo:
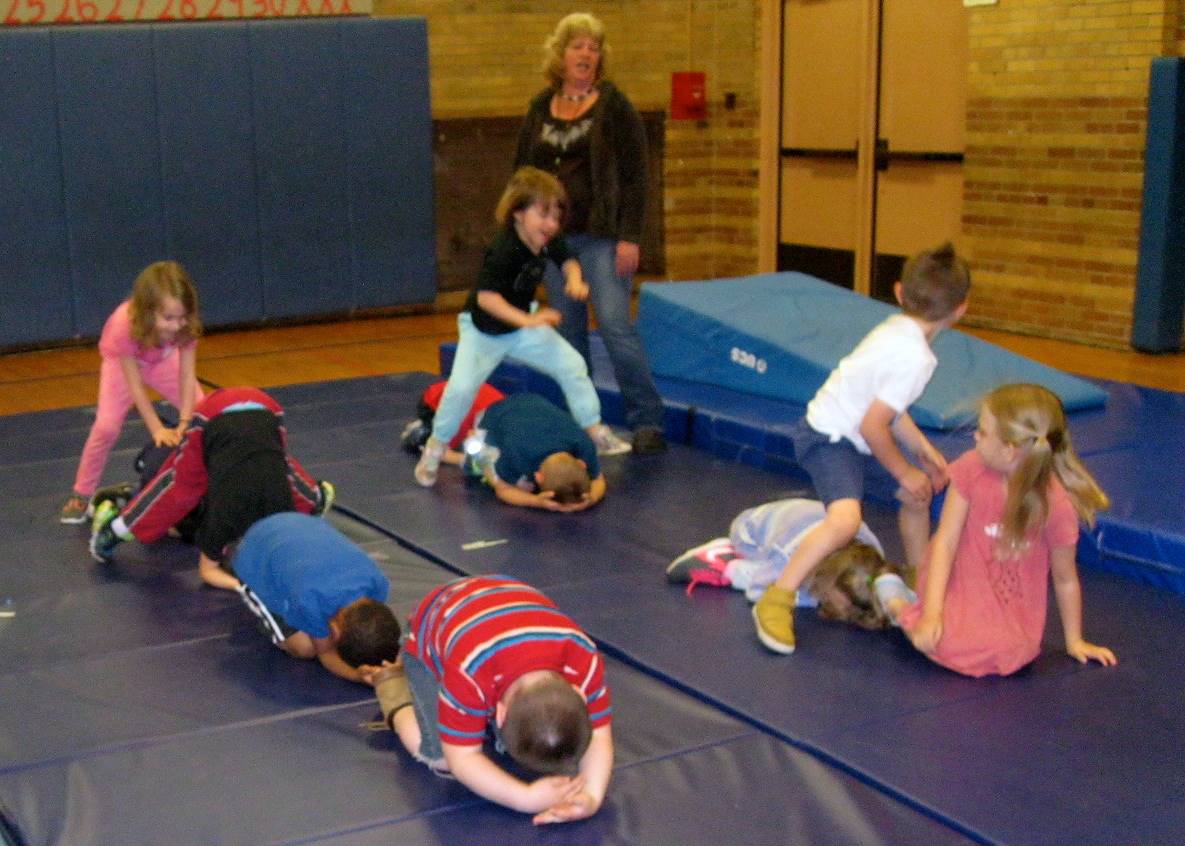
(862, 409)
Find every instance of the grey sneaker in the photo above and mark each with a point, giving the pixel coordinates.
(890, 586)
(608, 443)
(703, 565)
(76, 510)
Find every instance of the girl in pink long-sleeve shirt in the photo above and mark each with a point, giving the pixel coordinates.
(149, 341)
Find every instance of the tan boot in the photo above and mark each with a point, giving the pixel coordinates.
(773, 615)
(393, 693)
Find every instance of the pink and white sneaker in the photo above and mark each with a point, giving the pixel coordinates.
(703, 565)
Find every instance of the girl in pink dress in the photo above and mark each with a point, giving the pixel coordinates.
(149, 341)
(1010, 517)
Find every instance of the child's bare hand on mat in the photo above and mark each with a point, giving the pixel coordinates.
(927, 633)
(549, 791)
(1084, 652)
(577, 807)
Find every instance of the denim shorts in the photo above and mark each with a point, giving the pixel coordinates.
(836, 468)
(425, 691)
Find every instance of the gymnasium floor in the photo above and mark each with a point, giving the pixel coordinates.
(142, 708)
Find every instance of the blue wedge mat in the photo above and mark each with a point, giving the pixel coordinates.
(780, 334)
(1058, 753)
(141, 707)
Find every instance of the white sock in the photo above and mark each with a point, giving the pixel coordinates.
(121, 529)
(891, 586)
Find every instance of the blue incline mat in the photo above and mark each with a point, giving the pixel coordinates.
(1057, 754)
(140, 707)
(778, 335)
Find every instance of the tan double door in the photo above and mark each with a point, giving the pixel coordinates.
(873, 124)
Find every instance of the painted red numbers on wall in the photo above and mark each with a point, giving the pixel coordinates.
(23, 12)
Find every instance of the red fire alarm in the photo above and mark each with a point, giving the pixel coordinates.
(689, 98)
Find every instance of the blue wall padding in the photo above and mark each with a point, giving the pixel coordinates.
(779, 335)
(287, 164)
(300, 146)
(392, 229)
(1160, 272)
(32, 216)
(106, 95)
(212, 223)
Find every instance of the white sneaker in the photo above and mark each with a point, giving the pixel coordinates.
(608, 443)
(429, 463)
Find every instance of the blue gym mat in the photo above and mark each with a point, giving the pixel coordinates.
(1059, 753)
(141, 707)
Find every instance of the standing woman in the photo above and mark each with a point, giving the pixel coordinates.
(586, 132)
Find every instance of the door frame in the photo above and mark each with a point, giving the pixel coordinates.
(770, 143)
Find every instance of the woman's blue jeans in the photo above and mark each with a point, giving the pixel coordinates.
(609, 294)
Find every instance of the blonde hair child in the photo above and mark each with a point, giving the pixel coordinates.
(149, 341)
(1010, 518)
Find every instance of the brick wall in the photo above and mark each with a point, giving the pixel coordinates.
(1056, 118)
(1055, 134)
(485, 57)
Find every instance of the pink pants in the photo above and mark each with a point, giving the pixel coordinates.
(115, 399)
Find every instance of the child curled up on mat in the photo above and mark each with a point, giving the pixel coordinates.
(492, 653)
(149, 340)
(1010, 518)
(761, 541)
(317, 595)
(529, 451)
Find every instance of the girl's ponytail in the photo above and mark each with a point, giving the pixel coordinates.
(1033, 419)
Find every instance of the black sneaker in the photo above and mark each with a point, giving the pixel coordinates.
(415, 435)
(326, 500)
(649, 440)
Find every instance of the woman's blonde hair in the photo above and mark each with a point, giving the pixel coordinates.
(159, 280)
(1032, 419)
(573, 26)
(530, 185)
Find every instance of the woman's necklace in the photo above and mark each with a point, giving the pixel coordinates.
(577, 98)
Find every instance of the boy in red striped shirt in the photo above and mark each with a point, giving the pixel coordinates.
(493, 650)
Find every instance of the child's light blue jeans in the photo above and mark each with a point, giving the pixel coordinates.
(539, 346)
